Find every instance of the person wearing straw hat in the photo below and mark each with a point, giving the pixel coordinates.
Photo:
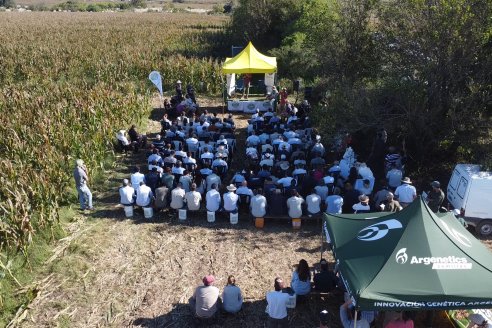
(406, 193)
(363, 205)
(81, 179)
(230, 199)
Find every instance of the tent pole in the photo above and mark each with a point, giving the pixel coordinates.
(355, 319)
(321, 246)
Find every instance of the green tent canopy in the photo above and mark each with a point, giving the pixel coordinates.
(410, 260)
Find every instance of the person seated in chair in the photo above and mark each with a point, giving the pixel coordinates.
(139, 140)
(123, 141)
(127, 194)
(193, 198)
(231, 199)
(205, 301)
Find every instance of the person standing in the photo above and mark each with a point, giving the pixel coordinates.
(232, 299)
(246, 84)
(81, 180)
(348, 315)
(435, 197)
(277, 305)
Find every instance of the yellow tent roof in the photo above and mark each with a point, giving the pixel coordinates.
(250, 60)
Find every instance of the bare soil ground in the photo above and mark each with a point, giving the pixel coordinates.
(118, 272)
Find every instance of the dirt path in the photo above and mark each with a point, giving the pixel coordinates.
(133, 272)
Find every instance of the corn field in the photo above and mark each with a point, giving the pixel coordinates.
(68, 82)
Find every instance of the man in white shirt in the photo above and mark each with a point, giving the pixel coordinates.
(127, 194)
(193, 198)
(192, 143)
(155, 157)
(123, 139)
(313, 202)
(394, 177)
(258, 204)
(285, 181)
(213, 199)
(177, 197)
(144, 195)
(211, 179)
(244, 190)
(230, 199)
(294, 204)
(136, 178)
(253, 140)
(406, 193)
(219, 162)
(277, 305)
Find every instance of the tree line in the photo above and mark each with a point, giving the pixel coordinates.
(421, 69)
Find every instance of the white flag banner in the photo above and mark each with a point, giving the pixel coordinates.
(155, 77)
(231, 83)
(269, 79)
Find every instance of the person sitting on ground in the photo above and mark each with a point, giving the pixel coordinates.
(193, 198)
(177, 197)
(231, 199)
(390, 204)
(294, 204)
(406, 193)
(232, 300)
(161, 197)
(363, 205)
(140, 141)
(136, 177)
(348, 316)
(277, 305)
(205, 301)
(435, 197)
(144, 195)
(313, 202)
(325, 281)
(213, 198)
(127, 194)
(301, 279)
(125, 144)
(258, 204)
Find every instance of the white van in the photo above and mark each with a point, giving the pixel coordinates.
(470, 191)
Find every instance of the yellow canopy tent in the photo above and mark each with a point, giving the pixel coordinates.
(250, 61)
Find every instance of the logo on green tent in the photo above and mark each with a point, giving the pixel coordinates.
(378, 230)
(458, 236)
(401, 256)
